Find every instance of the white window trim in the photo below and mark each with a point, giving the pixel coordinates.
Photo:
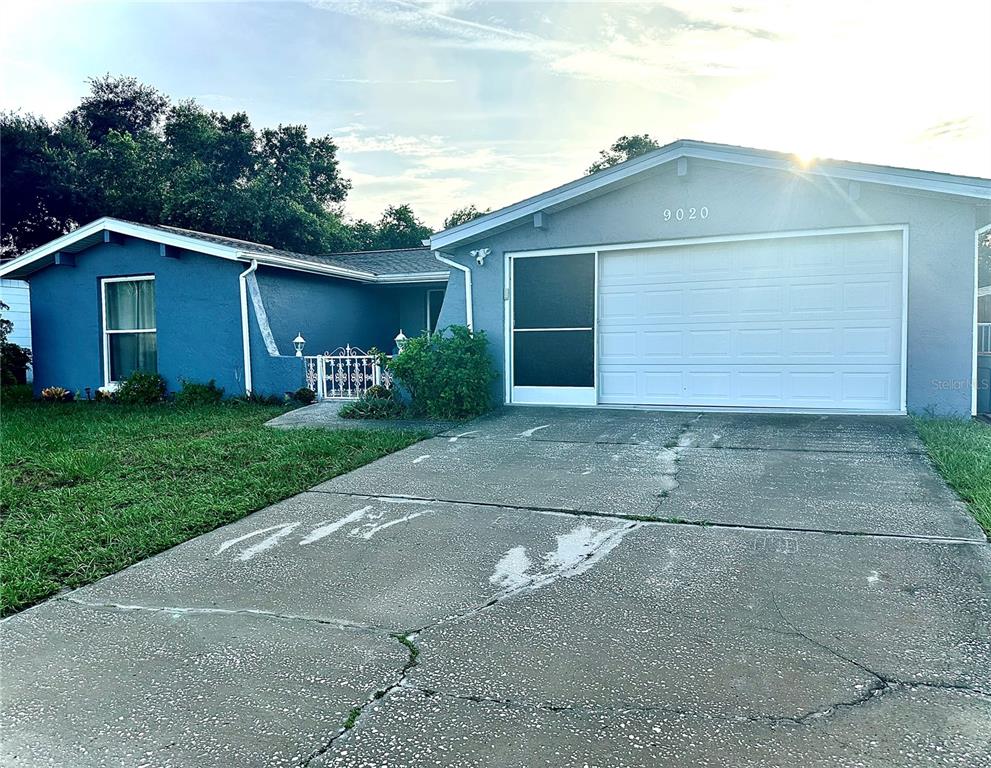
(107, 332)
(430, 291)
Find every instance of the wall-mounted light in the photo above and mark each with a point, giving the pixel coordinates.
(401, 340)
(480, 254)
(298, 342)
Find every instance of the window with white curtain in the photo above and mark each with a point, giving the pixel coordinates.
(129, 335)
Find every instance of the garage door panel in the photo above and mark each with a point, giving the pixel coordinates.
(652, 306)
(760, 342)
(872, 342)
(799, 386)
(749, 344)
(809, 322)
(618, 306)
(875, 296)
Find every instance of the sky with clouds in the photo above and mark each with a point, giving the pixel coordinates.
(441, 103)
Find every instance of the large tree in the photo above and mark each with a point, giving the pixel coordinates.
(464, 215)
(127, 151)
(623, 149)
(399, 228)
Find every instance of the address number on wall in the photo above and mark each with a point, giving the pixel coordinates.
(686, 214)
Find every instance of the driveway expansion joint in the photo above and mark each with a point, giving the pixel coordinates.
(658, 519)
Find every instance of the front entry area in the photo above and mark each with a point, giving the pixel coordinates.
(786, 321)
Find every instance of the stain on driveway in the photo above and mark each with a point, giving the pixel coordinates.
(508, 594)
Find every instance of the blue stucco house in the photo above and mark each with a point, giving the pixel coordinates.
(116, 296)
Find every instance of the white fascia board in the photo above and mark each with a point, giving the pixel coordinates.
(329, 270)
(313, 267)
(211, 249)
(413, 277)
(928, 181)
(123, 228)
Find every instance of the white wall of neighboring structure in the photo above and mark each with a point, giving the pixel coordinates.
(15, 294)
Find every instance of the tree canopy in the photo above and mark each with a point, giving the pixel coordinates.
(623, 149)
(463, 215)
(128, 151)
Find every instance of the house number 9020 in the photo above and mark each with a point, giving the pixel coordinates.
(686, 214)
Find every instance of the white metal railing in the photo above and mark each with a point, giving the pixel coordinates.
(984, 338)
(344, 374)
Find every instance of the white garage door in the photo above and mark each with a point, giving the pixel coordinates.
(792, 323)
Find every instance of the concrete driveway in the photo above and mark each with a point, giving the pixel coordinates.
(506, 594)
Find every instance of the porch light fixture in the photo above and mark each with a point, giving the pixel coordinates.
(298, 342)
(401, 340)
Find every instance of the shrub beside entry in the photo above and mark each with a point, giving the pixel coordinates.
(447, 375)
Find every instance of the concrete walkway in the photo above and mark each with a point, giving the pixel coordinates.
(506, 594)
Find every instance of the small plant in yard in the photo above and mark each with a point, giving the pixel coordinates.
(106, 394)
(56, 395)
(141, 388)
(369, 406)
(303, 395)
(195, 393)
(256, 398)
(448, 375)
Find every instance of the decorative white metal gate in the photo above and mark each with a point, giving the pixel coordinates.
(344, 374)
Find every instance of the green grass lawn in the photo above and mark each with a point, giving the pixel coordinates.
(961, 451)
(89, 489)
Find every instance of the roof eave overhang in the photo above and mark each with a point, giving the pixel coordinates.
(618, 176)
(39, 258)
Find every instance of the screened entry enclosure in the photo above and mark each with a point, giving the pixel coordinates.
(553, 329)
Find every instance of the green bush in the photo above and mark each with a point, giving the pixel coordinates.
(141, 388)
(447, 375)
(367, 407)
(258, 399)
(194, 393)
(303, 395)
(16, 393)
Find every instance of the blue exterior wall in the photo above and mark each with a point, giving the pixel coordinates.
(332, 313)
(198, 318)
(745, 200)
(197, 309)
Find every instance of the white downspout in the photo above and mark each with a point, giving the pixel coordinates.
(469, 314)
(245, 328)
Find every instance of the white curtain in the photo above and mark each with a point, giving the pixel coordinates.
(130, 305)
